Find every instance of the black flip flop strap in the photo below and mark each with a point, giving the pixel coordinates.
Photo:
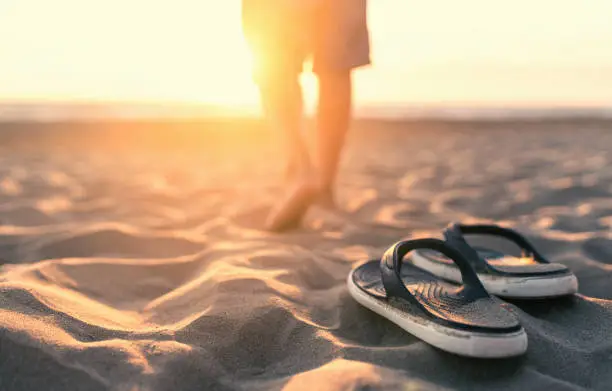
(495, 230)
(392, 260)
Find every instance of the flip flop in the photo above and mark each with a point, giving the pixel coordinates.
(531, 276)
(464, 320)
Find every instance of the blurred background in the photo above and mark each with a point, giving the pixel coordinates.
(466, 58)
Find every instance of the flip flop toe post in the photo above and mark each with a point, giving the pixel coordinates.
(464, 320)
(530, 276)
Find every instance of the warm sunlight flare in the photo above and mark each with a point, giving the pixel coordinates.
(187, 50)
(472, 52)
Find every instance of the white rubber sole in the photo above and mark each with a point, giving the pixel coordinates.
(510, 287)
(464, 343)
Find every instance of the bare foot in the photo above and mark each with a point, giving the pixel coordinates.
(289, 212)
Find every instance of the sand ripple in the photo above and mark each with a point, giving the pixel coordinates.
(148, 271)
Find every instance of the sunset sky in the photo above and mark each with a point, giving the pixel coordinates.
(471, 52)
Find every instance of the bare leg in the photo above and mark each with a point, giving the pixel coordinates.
(335, 100)
(282, 102)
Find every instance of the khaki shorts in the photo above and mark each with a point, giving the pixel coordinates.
(283, 34)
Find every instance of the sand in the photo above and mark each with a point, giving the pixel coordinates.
(133, 259)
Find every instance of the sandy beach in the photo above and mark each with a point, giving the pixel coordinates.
(132, 255)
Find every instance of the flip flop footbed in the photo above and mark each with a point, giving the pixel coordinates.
(512, 277)
(441, 315)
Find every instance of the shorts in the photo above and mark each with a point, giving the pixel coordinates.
(284, 34)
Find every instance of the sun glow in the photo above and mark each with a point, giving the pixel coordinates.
(186, 50)
(470, 52)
